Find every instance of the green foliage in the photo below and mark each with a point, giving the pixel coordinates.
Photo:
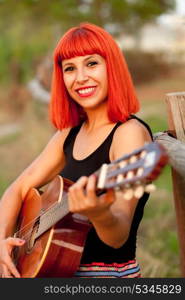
(20, 49)
(29, 27)
(165, 181)
(157, 123)
(123, 13)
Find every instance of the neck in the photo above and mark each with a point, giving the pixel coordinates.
(97, 117)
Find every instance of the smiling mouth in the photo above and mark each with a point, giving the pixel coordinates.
(86, 92)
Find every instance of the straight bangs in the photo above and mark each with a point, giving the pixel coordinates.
(79, 42)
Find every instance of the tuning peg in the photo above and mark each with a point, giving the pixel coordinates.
(143, 154)
(120, 177)
(150, 188)
(133, 159)
(130, 175)
(123, 163)
(139, 172)
(139, 191)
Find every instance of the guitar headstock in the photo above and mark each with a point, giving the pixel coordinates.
(134, 173)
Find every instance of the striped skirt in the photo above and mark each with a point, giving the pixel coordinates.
(129, 269)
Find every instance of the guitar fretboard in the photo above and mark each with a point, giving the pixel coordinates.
(52, 215)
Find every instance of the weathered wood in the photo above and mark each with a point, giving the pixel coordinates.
(175, 150)
(176, 114)
(176, 122)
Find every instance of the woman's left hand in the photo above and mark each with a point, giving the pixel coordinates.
(83, 198)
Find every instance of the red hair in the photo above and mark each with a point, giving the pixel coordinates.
(83, 40)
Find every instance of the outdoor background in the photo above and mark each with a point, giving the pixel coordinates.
(151, 35)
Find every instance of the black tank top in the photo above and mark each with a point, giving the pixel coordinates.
(95, 250)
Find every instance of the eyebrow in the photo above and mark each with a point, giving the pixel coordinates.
(70, 63)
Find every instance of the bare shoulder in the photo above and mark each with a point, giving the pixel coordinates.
(128, 137)
(54, 147)
(53, 151)
(131, 129)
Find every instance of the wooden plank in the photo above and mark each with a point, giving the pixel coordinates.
(176, 113)
(176, 122)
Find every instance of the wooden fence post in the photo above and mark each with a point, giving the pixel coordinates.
(176, 123)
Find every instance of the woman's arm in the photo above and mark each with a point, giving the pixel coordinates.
(43, 169)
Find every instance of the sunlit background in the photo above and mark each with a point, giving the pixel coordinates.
(151, 34)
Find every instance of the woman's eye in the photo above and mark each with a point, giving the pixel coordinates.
(68, 69)
(92, 63)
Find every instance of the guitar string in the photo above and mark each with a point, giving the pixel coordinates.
(45, 226)
(37, 218)
(27, 233)
(43, 215)
(45, 212)
(34, 220)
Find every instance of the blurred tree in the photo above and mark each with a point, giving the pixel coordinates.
(29, 27)
(115, 14)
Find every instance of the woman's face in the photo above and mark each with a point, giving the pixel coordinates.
(85, 78)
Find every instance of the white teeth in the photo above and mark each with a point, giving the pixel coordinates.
(85, 91)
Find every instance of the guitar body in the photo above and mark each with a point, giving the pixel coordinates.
(57, 252)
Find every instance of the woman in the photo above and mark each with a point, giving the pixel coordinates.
(92, 103)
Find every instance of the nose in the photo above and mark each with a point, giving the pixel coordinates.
(81, 75)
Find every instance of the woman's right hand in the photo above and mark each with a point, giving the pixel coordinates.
(8, 268)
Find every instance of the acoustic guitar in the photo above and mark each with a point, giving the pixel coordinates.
(54, 236)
